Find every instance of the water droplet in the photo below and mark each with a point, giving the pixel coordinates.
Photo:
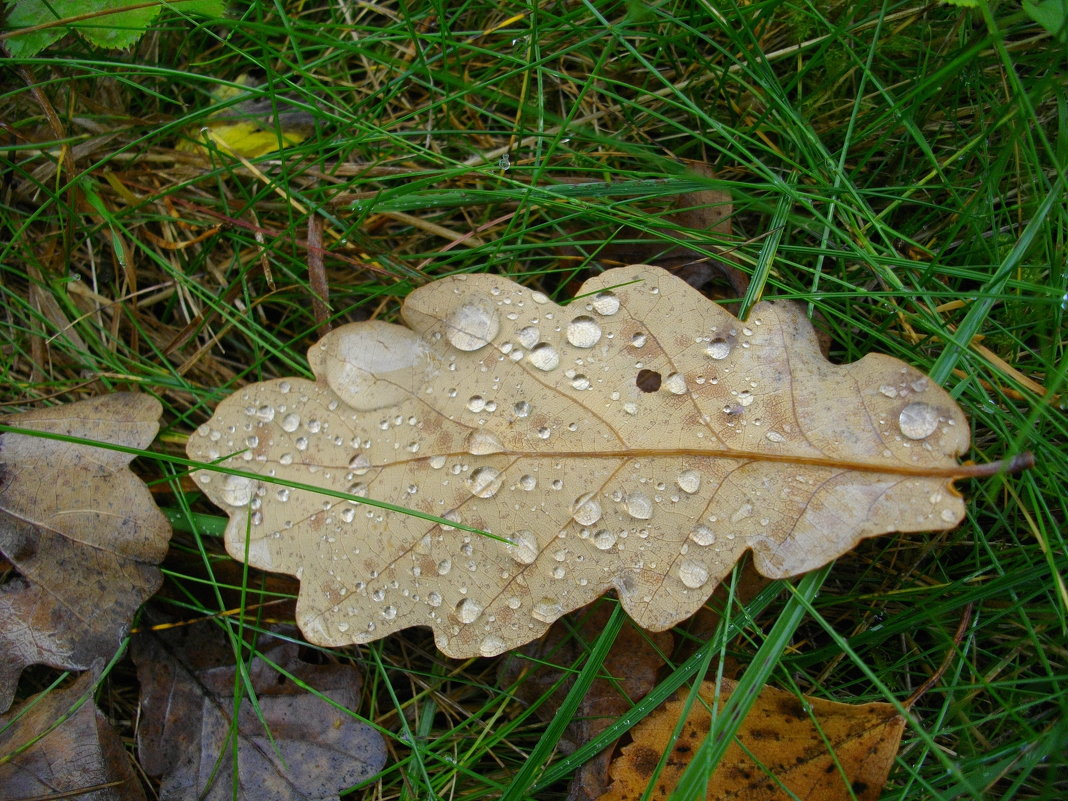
(436, 462)
(483, 443)
(476, 404)
(473, 325)
(492, 645)
(888, 390)
(675, 383)
(444, 566)
(529, 336)
(638, 340)
(746, 398)
(743, 511)
(775, 436)
(547, 610)
(348, 514)
(265, 413)
(301, 443)
(702, 534)
(605, 303)
(522, 409)
(282, 494)
(484, 482)
(434, 598)
(718, 349)
(689, 481)
(359, 489)
(580, 382)
(639, 506)
(359, 464)
(559, 572)
(389, 612)
(583, 332)
(693, 574)
(525, 547)
(918, 420)
(237, 490)
(544, 357)
(527, 482)
(603, 539)
(290, 423)
(315, 426)
(544, 432)
(586, 510)
(468, 610)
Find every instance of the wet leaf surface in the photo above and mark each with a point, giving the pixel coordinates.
(80, 529)
(783, 750)
(500, 410)
(289, 743)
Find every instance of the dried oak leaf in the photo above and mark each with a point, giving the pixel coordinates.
(640, 439)
(70, 760)
(81, 530)
(291, 744)
(780, 750)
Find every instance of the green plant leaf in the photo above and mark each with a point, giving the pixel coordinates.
(110, 23)
(1051, 15)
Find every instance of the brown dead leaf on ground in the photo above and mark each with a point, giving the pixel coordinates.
(780, 750)
(304, 747)
(632, 663)
(80, 529)
(79, 754)
(640, 439)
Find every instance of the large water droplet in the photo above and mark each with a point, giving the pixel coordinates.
(693, 574)
(639, 505)
(527, 482)
(444, 566)
(580, 382)
(492, 645)
(522, 409)
(689, 481)
(468, 610)
(236, 490)
(484, 482)
(359, 464)
(918, 420)
(775, 436)
(529, 336)
(605, 303)
(290, 423)
(718, 349)
(702, 534)
(547, 610)
(476, 404)
(544, 357)
(583, 332)
(586, 510)
(483, 443)
(434, 598)
(473, 325)
(603, 539)
(525, 547)
(675, 383)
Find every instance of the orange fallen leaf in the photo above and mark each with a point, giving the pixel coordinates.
(785, 748)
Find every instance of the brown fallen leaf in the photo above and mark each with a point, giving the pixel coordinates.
(780, 751)
(632, 664)
(304, 747)
(640, 439)
(80, 529)
(81, 758)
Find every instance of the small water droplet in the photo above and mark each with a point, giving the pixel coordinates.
(359, 464)
(918, 420)
(444, 566)
(775, 436)
(544, 432)
(237, 490)
(689, 481)
(603, 539)
(718, 349)
(359, 489)
(580, 382)
(746, 398)
(547, 610)
(483, 443)
(544, 357)
(702, 535)
(468, 610)
(389, 612)
(476, 404)
(433, 598)
(743, 511)
(528, 336)
(638, 340)
(527, 482)
(265, 413)
(492, 645)
(291, 422)
(586, 510)
(693, 574)
(522, 409)
(282, 494)
(436, 462)
(888, 390)
(639, 506)
(484, 482)
(347, 514)
(605, 303)
(583, 332)
(675, 383)
(524, 548)
(948, 515)
(473, 325)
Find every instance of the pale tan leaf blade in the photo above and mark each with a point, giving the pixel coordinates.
(81, 530)
(640, 440)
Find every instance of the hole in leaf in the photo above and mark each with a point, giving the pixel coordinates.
(648, 380)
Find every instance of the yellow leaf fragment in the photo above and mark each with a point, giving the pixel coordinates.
(640, 439)
(780, 751)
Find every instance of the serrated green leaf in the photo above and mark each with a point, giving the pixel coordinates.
(119, 25)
